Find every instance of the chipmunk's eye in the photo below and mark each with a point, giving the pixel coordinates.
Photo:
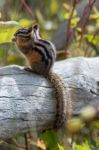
(26, 30)
(18, 32)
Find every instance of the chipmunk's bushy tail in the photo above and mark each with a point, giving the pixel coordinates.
(63, 104)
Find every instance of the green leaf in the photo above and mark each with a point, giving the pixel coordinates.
(50, 139)
(60, 147)
(39, 16)
(66, 15)
(7, 29)
(54, 6)
(96, 124)
(82, 147)
(74, 21)
(25, 22)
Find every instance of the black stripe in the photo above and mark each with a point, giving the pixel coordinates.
(23, 35)
(49, 43)
(45, 41)
(41, 52)
(23, 31)
(45, 49)
(50, 58)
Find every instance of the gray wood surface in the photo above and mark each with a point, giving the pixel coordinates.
(27, 100)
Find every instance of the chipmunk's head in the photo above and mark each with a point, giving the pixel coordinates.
(26, 37)
(22, 35)
(25, 34)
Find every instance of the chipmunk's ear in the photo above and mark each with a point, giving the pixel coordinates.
(29, 29)
(35, 32)
(35, 27)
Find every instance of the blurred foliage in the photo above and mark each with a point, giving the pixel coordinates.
(49, 14)
(84, 133)
(26, 13)
(7, 29)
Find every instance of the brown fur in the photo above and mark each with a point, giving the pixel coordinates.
(33, 57)
(22, 42)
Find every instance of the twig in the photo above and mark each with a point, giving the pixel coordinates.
(14, 143)
(26, 141)
(90, 43)
(70, 31)
(29, 10)
(85, 17)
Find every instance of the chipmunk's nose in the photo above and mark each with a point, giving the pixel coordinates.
(13, 39)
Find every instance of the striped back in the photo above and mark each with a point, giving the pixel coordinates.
(45, 47)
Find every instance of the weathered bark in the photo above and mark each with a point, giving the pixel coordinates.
(27, 101)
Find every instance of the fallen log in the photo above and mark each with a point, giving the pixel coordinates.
(27, 100)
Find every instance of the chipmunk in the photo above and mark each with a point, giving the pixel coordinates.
(41, 55)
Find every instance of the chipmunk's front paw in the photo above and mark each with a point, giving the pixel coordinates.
(28, 69)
